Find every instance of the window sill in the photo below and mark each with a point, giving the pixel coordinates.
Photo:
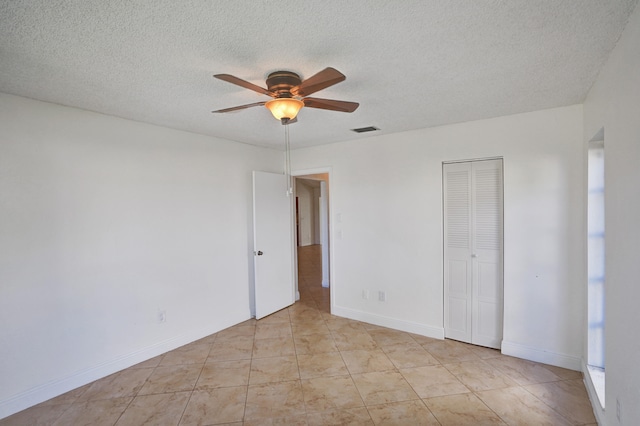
(597, 380)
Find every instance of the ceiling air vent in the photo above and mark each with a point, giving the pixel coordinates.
(365, 129)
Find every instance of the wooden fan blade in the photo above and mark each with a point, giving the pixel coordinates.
(330, 104)
(325, 78)
(242, 83)
(239, 107)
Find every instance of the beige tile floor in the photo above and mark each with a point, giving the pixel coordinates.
(303, 366)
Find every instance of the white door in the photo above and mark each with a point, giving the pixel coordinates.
(457, 254)
(273, 243)
(473, 252)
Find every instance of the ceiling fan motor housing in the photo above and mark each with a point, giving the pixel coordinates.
(281, 82)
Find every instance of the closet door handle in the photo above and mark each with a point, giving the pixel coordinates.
(474, 255)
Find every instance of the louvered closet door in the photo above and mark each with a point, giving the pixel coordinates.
(458, 270)
(473, 252)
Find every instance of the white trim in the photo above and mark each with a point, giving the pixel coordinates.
(38, 394)
(314, 171)
(596, 405)
(541, 355)
(499, 157)
(396, 324)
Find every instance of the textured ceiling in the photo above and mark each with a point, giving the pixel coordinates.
(410, 64)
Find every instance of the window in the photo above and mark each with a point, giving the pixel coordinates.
(596, 264)
(595, 250)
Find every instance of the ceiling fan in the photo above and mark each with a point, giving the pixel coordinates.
(290, 93)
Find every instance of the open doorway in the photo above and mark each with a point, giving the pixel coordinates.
(312, 239)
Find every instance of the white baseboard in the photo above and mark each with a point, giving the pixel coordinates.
(396, 324)
(51, 389)
(541, 355)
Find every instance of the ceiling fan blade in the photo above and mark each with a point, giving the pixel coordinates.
(239, 107)
(242, 83)
(325, 78)
(330, 104)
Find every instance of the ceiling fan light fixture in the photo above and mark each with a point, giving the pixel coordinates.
(284, 107)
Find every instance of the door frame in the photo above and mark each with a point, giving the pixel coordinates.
(444, 301)
(301, 173)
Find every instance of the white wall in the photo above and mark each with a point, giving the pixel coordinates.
(306, 214)
(103, 222)
(386, 204)
(316, 214)
(614, 102)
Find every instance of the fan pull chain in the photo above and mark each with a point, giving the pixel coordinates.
(287, 160)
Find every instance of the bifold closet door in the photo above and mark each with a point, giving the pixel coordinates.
(473, 281)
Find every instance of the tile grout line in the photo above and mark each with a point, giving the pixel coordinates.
(295, 350)
(536, 397)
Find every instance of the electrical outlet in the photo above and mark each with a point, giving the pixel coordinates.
(162, 316)
(618, 410)
(382, 296)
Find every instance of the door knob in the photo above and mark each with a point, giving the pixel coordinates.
(474, 255)
(259, 253)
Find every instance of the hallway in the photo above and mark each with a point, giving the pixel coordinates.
(310, 278)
